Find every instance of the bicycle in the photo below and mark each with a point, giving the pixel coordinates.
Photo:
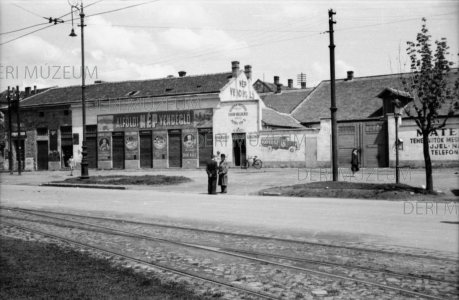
(257, 163)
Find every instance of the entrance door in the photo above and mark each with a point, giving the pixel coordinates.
(146, 151)
(67, 152)
(91, 148)
(42, 155)
(175, 149)
(118, 151)
(239, 148)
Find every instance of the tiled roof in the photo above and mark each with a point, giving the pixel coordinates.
(355, 99)
(273, 118)
(286, 101)
(153, 87)
(268, 87)
(3, 99)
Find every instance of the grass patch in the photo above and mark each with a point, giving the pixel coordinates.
(33, 270)
(345, 189)
(129, 180)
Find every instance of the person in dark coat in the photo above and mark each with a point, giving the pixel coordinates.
(212, 173)
(355, 161)
(223, 174)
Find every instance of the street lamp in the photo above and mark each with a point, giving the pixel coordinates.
(84, 160)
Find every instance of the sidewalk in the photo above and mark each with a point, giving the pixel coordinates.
(249, 182)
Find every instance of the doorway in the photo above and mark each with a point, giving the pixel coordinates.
(118, 150)
(67, 152)
(175, 148)
(239, 149)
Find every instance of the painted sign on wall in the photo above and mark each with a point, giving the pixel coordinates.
(443, 143)
(121, 122)
(238, 114)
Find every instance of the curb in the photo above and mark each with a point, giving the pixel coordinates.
(89, 186)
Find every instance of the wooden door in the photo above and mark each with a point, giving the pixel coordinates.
(206, 146)
(175, 149)
(146, 150)
(91, 148)
(42, 155)
(118, 151)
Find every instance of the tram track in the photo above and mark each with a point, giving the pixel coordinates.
(242, 235)
(251, 255)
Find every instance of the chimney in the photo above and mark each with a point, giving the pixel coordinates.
(290, 83)
(303, 85)
(27, 92)
(276, 80)
(181, 73)
(279, 88)
(34, 89)
(350, 75)
(248, 72)
(235, 68)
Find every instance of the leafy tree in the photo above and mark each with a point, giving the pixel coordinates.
(429, 84)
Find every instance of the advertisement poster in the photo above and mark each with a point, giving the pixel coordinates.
(105, 123)
(132, 145)
(104, 146)
(160, 144)
(190, 142)
(203, 117)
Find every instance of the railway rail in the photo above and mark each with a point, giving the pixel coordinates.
(238, 234)
(274, 259)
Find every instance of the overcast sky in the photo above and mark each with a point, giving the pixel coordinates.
(278, 38)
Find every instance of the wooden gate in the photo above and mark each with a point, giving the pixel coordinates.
(146, 149)
(118, 150)
(42, 155)
(371, 140)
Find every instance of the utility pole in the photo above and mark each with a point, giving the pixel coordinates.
(333, 107)
(17, 105)
(10, 129)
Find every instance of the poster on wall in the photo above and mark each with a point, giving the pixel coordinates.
(203, 117)
(104, 146)
(132, 145)
(190, 142)
(160, 144)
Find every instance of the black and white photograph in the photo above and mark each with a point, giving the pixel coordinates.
(219, 149)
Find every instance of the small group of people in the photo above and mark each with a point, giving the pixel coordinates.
(217, 172)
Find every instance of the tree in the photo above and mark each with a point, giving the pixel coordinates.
(429, 84)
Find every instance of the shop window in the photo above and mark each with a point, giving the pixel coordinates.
(42, 131)
(66, 130)
(91, 128)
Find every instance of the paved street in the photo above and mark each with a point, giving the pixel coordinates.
(382, 224)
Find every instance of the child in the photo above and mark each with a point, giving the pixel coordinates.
(71, 165)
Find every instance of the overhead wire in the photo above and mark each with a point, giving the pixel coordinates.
(26, 10)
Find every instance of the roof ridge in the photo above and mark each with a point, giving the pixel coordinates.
(305, 99)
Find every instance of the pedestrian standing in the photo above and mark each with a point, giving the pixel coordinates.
(212, 173)
(355, 160)
(71, 164)
(223, 174)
